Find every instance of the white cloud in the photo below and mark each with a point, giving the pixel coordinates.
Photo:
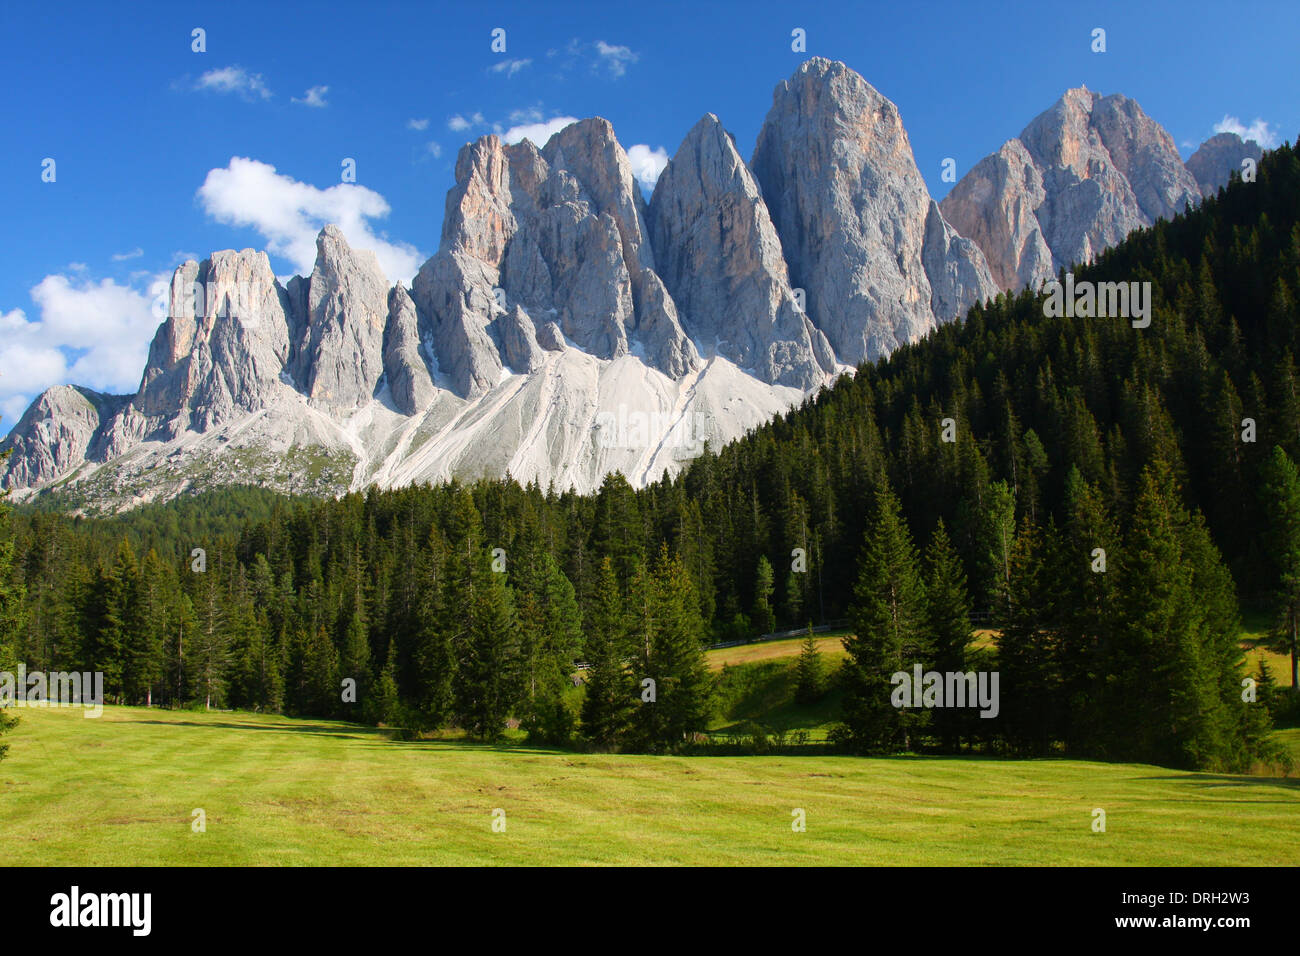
(417, 124)
(460, 123)
(234, 79)
(510, 67)
(313, 97)
(530, 114)
(1259, 130)
(135, 253)
(647, 163)
(539, 133)
(92, 333)
(615, 58)
(289, 214)
(434, 149)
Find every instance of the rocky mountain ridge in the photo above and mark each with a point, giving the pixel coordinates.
(566, 327)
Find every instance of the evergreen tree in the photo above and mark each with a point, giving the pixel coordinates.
(672, 657)
(948, 621)
(888, 621)
(1281, 494)
(150, 618)
(611, 689)
(809, 675)
(551, 627)
(764, 618)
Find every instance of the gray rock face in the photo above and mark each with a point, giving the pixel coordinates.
(405, 370)
(516, 339)
(1079, 178)
(1218, 158)
(996, 205)
(839, 178)
(720, 257)
(340, 356)
(222, 348)
(958, 274)
(561, 232)
(56, 433)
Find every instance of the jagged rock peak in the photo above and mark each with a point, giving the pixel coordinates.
(1081, 176)
(721, 259)
(1218, 158)
(339, 355)
(850, 207)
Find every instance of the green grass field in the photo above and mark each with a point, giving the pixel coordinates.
(277, 791)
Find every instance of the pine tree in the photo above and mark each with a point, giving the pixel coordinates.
(888, 621)
(948, 620)
(483, 631)
(611, 690)
(151, 615)
(551, 628)
(763, 617)
(1028, 648)
(208, 654)
(672, 656)
(1281, 494)
(809, 672)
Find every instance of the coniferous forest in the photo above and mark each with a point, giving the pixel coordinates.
(1104, 497)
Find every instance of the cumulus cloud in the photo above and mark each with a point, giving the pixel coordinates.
(234, 79)
(614, 58)
(89, 333)
(434, 149)
(647, 163)
(510, 67)
(1259, 130)
(135, 253)
(289, 214)
(313, 97)
(539, 133)
(460, 123)
(417, 124)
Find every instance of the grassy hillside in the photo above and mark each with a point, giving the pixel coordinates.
(120, 790)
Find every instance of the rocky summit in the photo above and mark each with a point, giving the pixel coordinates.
(1078, 179)
(567, 328)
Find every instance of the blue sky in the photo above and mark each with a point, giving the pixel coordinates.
(162, 153)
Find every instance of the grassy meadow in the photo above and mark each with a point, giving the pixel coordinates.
(279, 791)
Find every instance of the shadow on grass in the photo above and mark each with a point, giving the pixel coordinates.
(378, 736)
(292, 726)
(1208, 780)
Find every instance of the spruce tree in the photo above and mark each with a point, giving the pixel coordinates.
(948, 620)
(611, 689)
(809, 673)
(1028, 648)
(551, 630)
(673, 657)
(1281, 494)
(764, 618)
(888, 621)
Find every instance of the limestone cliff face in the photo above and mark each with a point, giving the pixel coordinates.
(839, 178)
(1078, 179)
(561, 234)
(720, 257)
(338, 360)
(1218, 158)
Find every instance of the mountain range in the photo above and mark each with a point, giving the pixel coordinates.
(567, 328)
